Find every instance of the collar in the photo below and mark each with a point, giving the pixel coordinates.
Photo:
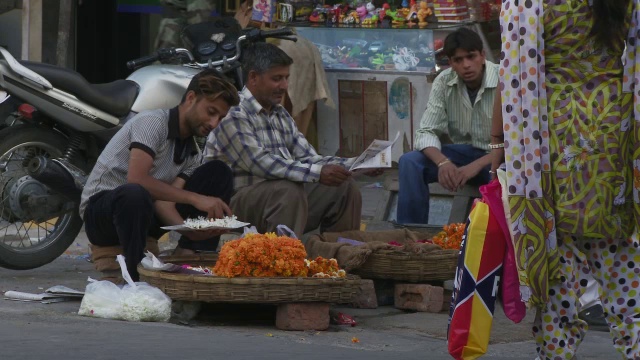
(253, 105)
(174, 124)
(489, 78)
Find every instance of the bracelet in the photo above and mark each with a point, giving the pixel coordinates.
(443, 162)
(496, 146)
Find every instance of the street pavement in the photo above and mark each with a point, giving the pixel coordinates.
(30, 330)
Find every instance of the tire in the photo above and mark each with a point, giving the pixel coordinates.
(18, 250)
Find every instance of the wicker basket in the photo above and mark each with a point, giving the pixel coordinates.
(401, 266)
(435, 266)
(247, 289)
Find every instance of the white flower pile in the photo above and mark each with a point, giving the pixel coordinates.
(144, 302)
(201, 222)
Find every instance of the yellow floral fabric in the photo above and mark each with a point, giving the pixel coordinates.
(569, 136)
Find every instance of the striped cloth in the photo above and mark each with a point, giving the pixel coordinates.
(260, 145)
(449, 111)
(156, 133)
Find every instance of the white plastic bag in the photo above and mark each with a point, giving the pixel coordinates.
(132, 302)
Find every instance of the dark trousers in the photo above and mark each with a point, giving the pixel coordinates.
(416, 172)
(126, 215)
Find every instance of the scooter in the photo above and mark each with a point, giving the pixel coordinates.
(64, 123)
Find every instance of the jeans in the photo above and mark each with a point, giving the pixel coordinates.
(416, 172)
(126, 215)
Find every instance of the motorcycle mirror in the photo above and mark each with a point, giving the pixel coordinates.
(4, 96)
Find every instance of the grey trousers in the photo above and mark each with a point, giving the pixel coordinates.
(302, 207)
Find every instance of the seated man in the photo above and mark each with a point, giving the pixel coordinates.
(460, 106)
(279, 177)
(152, 164)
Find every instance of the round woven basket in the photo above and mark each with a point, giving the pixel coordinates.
(435, 266)
(247, 289)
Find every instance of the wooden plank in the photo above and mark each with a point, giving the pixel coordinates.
(351, 132)
(375, 111)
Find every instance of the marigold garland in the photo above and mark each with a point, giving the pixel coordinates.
(268, 255)
(262, 255)
(450, 237)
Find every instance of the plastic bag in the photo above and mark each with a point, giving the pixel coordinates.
(475, 285)
(283, 230)
(514, 308)
(131, 302)
(151, 262)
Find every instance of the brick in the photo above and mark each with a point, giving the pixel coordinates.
(302, 316)
(366, 297)
(419, 297)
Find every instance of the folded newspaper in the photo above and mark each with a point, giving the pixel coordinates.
(53, 294)
(377, 155)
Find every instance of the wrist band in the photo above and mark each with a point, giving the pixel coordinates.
(443, 162)
(496, 146)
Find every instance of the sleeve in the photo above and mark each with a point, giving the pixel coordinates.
(236, 139)
(434, 120)
(304, 152)
(148, 133)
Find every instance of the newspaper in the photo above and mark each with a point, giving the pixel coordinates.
(377, 155)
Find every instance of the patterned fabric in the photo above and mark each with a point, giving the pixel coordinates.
(557, 328)
(450, 111)
(260, 145)
(568, 170)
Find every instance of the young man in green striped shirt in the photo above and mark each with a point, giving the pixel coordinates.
(451, 146)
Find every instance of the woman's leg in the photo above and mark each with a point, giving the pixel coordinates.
(615, 264)
(557, 329)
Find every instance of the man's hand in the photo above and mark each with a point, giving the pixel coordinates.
(213, 206)
(333, 175)
(200, 235)
(465, 173)
(448, 176)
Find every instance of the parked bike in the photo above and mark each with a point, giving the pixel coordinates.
(64, 122)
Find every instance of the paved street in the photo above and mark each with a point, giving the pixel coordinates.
(55, 331)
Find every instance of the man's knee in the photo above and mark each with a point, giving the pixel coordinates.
(215, 168)
(412, 159)
(288, 192)
(133, 196)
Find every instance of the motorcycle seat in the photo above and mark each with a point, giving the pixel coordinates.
(115, 98)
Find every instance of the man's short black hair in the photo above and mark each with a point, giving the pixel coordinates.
(463, 38)
(260, 57)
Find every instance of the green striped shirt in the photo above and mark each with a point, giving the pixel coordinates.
(449, 111)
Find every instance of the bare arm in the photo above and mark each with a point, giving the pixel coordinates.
(140, 164)
(169, 215)
(497, 135)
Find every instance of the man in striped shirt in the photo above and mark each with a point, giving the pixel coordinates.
(150, 175)
(279, 177)
(459, 111)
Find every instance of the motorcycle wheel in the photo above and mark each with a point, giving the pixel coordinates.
(25, 244)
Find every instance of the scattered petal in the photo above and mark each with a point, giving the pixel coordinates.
(355, 340)
(269, 334)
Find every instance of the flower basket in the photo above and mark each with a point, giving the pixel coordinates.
(436, 265)
(272, 290)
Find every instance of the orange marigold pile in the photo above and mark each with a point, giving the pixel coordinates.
(324, 268)
(450, 237)
(262, 255)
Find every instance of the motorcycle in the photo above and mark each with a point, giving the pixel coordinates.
(64, 123)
